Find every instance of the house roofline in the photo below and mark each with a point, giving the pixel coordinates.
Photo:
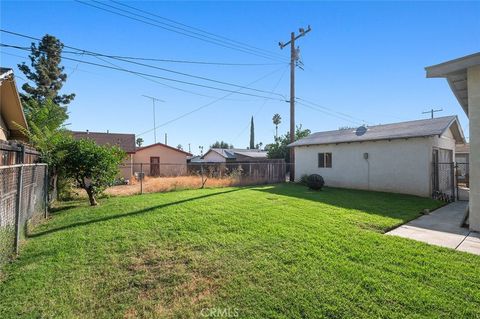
(165, 145)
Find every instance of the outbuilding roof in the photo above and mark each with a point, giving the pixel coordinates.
(418, 128)
(231, 153)
(163, 145)
(125, 141)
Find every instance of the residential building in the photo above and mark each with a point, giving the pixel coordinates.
(463, 77)
(160, 160)
(13, 149)
(414, 157)
(222, 155)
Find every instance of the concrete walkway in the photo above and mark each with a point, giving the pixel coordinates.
(442, 228)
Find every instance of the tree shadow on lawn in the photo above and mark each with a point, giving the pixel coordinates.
(128, 214)
(398, 206)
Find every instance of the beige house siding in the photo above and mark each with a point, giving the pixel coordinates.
(399, 166)
(214, 157)
(3, 130)
(172, 162)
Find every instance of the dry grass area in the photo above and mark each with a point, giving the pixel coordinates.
(165, 184)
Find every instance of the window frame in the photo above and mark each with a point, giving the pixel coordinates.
(325, 160)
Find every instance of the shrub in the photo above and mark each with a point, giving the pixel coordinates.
(315, 182)
(303, 179)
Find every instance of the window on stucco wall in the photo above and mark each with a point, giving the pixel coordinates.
(325, 160)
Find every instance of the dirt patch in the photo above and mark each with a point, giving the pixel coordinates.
(171, 282)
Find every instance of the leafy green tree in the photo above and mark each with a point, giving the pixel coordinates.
(46, 132)
(252, 134)
(277, 119)
(139, 141)
(93, 167)
(221, 144)
(279, 149)
(45, 72)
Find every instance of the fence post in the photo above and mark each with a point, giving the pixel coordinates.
(19, 208)
(452, 165)
(141, 178)
(45, 185)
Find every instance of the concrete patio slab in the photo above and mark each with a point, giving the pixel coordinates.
(442, 228)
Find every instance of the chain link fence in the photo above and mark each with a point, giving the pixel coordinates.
(141, 178)
(23, 203)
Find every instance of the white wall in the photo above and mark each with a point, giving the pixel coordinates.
(473, 83)
(399, 166)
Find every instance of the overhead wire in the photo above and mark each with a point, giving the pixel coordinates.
(342, 114)
(158, 24)
(166, 78)
(207, 104)
(261, 106)
(197, 29)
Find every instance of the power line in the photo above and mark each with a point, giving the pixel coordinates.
(150, 66)
(358, 120)
(261, 106)
(197, 29)
(165, 85)
(327, 113)
(167, 79)
(159, 25)
(208, 104)
(179, 61)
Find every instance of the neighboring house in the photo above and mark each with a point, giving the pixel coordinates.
(462, 152)
(222, 155)
(12, 121)
(125, 141)
(463, 77)
(161, 160)
(392, 157)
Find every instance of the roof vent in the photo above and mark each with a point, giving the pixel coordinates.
(361, 130)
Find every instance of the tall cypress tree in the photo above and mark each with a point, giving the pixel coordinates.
(252, 135)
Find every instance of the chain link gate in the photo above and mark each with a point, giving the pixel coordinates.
(443, 181)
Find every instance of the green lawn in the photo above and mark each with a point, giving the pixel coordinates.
(266, 252)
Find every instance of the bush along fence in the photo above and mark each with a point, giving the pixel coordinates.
(23, 203)
(156, 177)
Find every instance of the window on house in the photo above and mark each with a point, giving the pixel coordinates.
(324, 159)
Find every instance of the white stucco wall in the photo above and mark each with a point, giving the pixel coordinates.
(399, 166)
(214, 157)
(446, 141)
(473, 83)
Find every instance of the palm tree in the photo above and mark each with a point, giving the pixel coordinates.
(277, 119)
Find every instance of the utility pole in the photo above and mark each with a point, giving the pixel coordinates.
(293, 64)
(432, 111)
(154, 99)
(189, 150)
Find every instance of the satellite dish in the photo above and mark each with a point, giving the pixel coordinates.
(360, 130)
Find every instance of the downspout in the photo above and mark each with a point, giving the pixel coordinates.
(365, 156)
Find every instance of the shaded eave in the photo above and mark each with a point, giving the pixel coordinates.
(455, 71)
(12, 109)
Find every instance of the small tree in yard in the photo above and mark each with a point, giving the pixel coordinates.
(92, 166)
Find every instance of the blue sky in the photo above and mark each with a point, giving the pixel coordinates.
(363, 59)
